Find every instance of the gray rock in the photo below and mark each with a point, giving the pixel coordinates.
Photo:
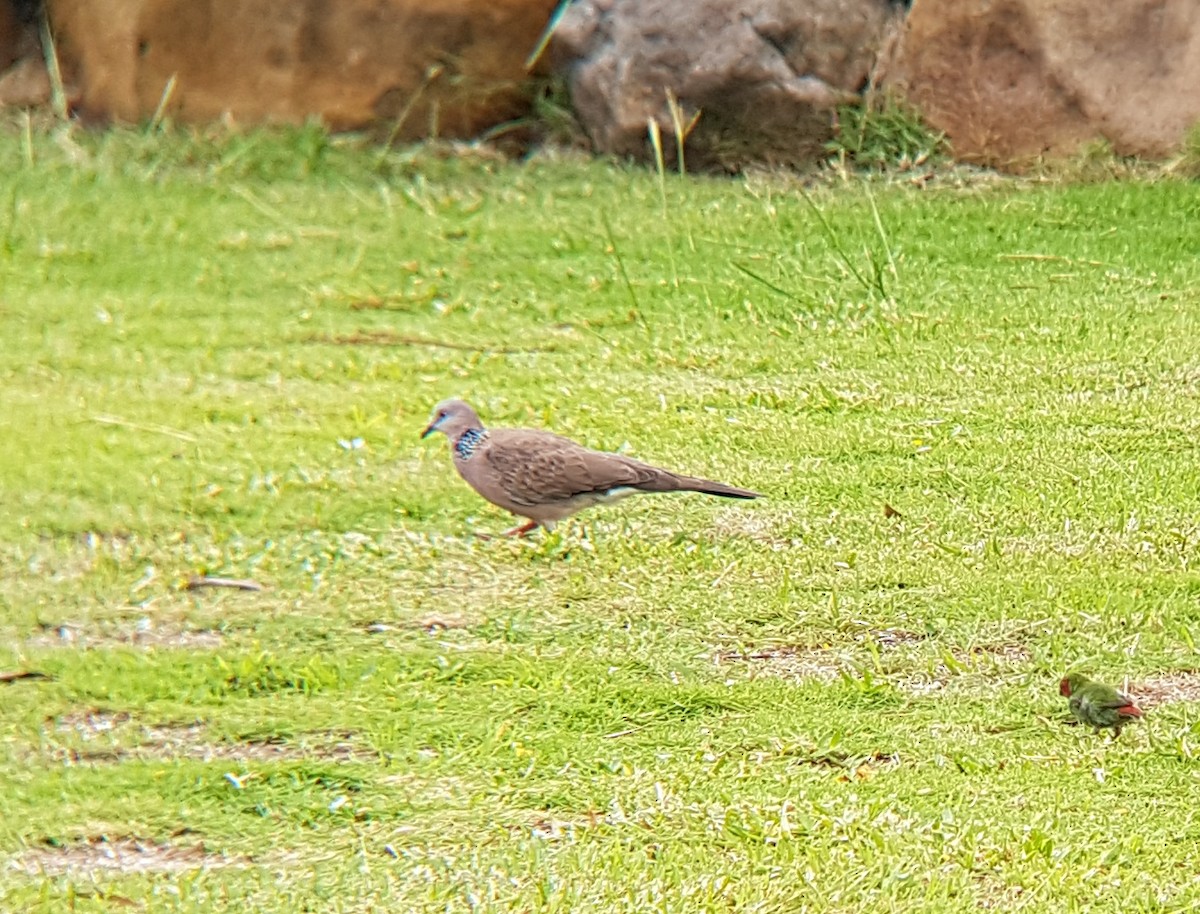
(764, 76)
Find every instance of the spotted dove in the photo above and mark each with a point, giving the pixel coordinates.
(544, 477)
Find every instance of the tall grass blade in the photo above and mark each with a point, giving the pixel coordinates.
(164, 100)
(612, 243)
(58, 95)
(660, 166)
(544, 39)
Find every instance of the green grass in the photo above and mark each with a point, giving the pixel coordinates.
(674, 704)
(883, 132)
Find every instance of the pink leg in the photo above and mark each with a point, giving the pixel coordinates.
(521, 530)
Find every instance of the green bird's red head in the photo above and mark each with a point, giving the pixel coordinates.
(1071, 684)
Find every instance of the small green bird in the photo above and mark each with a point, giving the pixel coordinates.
(1098, 705)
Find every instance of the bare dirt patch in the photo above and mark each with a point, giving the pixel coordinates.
(786, 661)
(440, 622)
(1183, 685)
(140, 633)
(91, 722)
(431, 624)
(97, 735)
(890, 638)
(994, 894)
(1009, 652)
(328, 747)
(551, 829)
(917, 673)
(860, 765)
(978, 667)
(120, 855)
(775, 529)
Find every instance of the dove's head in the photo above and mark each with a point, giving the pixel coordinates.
(451, 418)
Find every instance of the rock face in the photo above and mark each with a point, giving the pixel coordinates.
(9, 34)
(754, 80)
(1010, 80)
(24, 82)
(450, 68)
(764, 75)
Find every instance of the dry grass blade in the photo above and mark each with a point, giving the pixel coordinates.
(58, 94)
(20, 675)
(682, 128)
(145, 427)
(165, 100)
(661, 169)
(198, 583)
(388, 338)
(547, 35)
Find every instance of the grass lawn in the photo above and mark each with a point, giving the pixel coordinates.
(217, 353)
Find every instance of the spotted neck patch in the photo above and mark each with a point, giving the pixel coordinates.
(469, 441)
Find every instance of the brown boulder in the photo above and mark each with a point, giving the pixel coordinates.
(25, 84)
(10, 34)
(765, 76)
(1011, 80)
(450, 68)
